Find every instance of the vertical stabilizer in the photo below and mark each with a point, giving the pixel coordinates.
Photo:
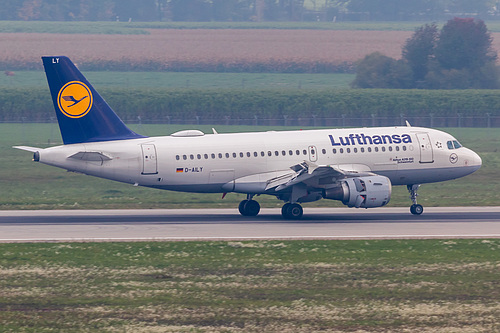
(83, 115)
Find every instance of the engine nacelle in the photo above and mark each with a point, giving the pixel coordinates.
(362, 192)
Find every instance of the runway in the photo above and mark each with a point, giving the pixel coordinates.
(227, 224)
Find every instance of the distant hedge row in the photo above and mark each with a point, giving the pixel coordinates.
(243, 66)
(18, 104)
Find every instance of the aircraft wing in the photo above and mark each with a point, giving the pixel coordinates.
(315, 175)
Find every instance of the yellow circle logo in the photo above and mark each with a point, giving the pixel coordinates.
(75, 99)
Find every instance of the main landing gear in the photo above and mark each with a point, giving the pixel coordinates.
(292, 211)
(249, 207)
(289, 211)
(415, 209)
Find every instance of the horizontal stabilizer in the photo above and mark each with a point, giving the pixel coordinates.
(28, 148)
(91, 156)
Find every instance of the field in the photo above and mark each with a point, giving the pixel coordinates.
(134, 80)
(28, 185)
(204, 49)
(276, 286)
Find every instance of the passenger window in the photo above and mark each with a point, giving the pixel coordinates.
(191, 157)
(323, 151)
(269, 153)
(369, 149)
(255, 154)
(376, 149)
(213, 155)
(177, 157)
(198, 156)
(227, 155)
(234, 155)
(297, 152)
(220, 155)
(262, 154)
(241, 154)
(397, 148)
(341, 150)
(362, 149)
(248, 154)
(305, 152)
(334, 151)
(290, 152)
(383, 148)
(404, 148)
(205, 156)
(283, 153)
(355, 150)
(348, 150)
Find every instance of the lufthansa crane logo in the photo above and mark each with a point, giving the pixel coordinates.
(75, 99)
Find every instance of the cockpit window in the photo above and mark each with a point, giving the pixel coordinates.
(453, 144)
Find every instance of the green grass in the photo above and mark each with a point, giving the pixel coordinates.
(191, 80)
(79, 27)
(140, 27)
(28, 185)
(267, 286)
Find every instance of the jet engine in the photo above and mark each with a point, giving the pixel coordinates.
(361, 192)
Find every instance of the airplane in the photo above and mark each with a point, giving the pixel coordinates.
(357, 166)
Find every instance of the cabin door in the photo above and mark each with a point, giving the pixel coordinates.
(313, 153)
(424, 142)
(149, 160)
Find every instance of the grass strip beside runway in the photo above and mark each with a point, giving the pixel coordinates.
(255, 286)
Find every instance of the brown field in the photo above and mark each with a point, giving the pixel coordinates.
(206, 46)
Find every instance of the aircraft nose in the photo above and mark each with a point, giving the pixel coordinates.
(475, 160)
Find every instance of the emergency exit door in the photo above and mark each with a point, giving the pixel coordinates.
(149, 160)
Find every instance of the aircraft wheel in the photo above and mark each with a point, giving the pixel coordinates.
(284, 209)
(249, 208)
(416, 209)
(292, 212)
(241, 207)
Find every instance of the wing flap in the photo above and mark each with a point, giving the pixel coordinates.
(324, 174)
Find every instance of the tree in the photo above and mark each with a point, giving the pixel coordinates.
(379, 71)
(419, 50)
(459, 57)
(464, 43)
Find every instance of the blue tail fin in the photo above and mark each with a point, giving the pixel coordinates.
(82, 113)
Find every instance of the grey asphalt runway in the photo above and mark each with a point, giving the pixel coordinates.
(227, 224)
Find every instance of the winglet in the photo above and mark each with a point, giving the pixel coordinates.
(83, 115)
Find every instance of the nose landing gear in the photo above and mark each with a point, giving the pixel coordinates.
(415, 209)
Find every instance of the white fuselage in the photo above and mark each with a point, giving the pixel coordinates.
(244, 162)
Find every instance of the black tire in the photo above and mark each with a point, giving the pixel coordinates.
(251, 208)
(293, 211)
(241, 207)
(416, 209)
(284, 210)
